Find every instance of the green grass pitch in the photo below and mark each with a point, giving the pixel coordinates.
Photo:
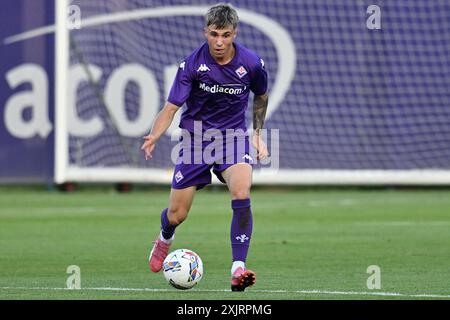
(307, 244)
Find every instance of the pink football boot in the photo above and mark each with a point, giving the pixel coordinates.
(242, 279)
(158, 254)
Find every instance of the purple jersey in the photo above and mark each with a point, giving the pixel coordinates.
(217, 95)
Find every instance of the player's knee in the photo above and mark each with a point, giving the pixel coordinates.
(240, 194)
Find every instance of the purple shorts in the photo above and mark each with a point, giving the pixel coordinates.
(196, 158)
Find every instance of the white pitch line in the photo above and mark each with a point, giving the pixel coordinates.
(305, 292)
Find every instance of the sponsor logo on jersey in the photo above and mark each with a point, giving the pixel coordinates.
(203, 68)
(241, 71)
(182, 65)
(226, 88)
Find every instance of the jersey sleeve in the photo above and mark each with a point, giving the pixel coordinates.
(182, 84)
(258, 83)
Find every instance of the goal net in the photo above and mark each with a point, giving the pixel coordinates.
(359, 94)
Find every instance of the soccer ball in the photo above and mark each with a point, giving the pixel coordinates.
(183, 269)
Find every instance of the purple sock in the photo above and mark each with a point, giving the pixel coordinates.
(167, 229)
(241, 228)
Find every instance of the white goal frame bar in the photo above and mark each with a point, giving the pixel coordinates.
(65, 173)
(62, 61)
(272, 177)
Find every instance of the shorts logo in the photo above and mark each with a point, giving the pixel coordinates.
(241, 71)
(178, 176)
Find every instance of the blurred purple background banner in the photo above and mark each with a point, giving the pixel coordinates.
(26, 93)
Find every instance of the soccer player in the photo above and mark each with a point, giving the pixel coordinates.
(215, 82)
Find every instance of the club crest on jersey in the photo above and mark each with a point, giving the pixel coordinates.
(241, 71)
(178, 176)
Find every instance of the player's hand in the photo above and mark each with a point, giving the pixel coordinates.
(260, 146)
(148, 146)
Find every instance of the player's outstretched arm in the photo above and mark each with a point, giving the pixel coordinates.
(260, 103)
(162, 122)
